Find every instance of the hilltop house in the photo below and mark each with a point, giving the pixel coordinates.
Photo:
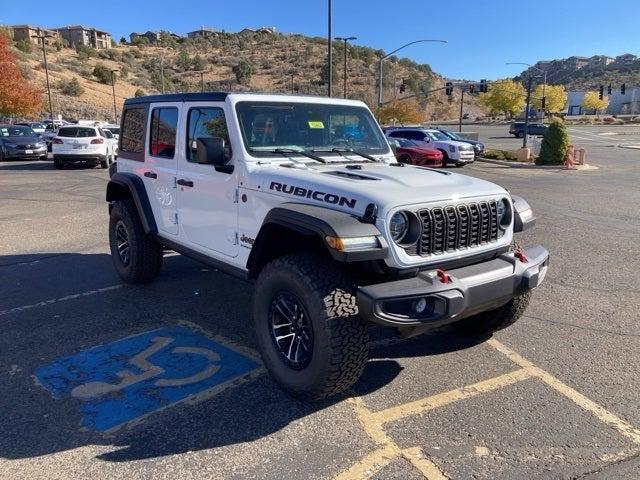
(203, 32)
(75, 35)
(600, 61)
(30, 33)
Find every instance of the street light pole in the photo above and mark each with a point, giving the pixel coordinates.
(526, 112)
(113, 86)
(329, 50)
(461, 108)
(43, 37)
(345, 40)
(391, 53)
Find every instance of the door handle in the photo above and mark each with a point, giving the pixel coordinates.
(184, 183)
(150, 174)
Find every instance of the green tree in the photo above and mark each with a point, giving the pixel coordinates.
(592, 101)
(24, 45)
(102, 73)
(72, 88)
(243, 71)
(183, 61)
(556, 98)
(198, 63)
(123, 40)
(504, 96)
(554, 144)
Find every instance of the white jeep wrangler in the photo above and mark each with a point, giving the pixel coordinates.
(303, 197)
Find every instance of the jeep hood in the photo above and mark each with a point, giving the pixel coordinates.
(350, 189)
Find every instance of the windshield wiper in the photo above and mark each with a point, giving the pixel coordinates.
(342, 151)
(288, 151)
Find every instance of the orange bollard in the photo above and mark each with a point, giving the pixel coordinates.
(568, 159)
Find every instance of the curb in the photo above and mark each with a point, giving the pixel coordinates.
(532, 166)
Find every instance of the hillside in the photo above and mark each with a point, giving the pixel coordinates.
(588, 73)
(266, 62)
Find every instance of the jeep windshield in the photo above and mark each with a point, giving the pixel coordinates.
(330, 130)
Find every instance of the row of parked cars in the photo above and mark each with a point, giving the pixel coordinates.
(432, 147)
(86, 142)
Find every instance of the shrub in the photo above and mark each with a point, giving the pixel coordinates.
(72, 87)
(85, 52)
(24, 45)
(198, 63)
(554, 145)
(139, 93)
(493, 154)
(243, 71)
(102, 73)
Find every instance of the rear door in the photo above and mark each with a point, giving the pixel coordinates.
(161, 163)
(207, 199)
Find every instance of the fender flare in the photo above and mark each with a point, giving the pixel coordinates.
(319, 221)
(523, 217)
(128, 185)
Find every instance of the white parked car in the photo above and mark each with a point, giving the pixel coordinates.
(453, 151)
(83, 144)
(115, 129)
(303, 197)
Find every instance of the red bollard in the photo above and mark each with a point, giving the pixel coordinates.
(568, 159)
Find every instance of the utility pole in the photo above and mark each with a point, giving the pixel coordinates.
(113, 86)
(526, 112)
(43, 37)
(202, 81)
(292, 84)
(329, 51)
(345, 40)
(461, 107)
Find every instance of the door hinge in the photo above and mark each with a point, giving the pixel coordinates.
(175, 218)
(236, 197)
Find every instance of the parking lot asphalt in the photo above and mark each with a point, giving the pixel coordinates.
(554, 396)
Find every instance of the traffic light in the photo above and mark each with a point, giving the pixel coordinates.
(483, 86)
(448, 88)
(601, 92)
(544, 102)
(609, 90)
(471, 87)
(403, 86)
(623, 88)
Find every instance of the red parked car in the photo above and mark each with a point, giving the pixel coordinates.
(413, 153)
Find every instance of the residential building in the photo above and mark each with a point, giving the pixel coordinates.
(30, 33)
(246, 31)
(625, 60)
(576, 63)
(203, 32)
(600, 61)
(75, 35)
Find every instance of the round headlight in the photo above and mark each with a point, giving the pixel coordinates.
(502, 209)
(398, 226)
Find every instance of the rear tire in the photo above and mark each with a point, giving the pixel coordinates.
(486, 323)
(520, 134)
(309, 298)
(57, 163)
(136, 256)
(405, 159)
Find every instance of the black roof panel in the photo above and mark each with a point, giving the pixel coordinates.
(178, 97)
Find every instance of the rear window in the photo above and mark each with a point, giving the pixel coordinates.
(132, 137)
(82, 132)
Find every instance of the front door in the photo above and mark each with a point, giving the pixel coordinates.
(160, 165)
(207, 199)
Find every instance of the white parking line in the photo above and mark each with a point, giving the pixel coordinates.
(58, 300)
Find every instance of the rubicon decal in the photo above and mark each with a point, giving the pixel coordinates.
(313, 194)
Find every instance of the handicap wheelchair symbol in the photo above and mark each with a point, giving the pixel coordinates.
(135, 376)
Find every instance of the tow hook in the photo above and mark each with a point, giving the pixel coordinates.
(443, 276)
(519, 254)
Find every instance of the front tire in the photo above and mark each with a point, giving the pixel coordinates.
(136, 256)
(57, 163)
(405, 159)
(310, 336)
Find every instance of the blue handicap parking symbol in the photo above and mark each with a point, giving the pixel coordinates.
(129, 378)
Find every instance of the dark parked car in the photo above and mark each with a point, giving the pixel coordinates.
(20, 142)
(517, 129)
(478, 147)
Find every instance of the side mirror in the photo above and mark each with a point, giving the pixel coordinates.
(210, 151)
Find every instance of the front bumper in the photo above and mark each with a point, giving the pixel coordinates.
(22, 153)
(470, 290)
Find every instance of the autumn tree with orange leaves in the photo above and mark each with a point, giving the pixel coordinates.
(17, 96)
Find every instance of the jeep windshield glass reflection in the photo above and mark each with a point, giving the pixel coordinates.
(309, 127)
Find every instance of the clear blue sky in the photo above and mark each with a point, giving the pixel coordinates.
(482, 34)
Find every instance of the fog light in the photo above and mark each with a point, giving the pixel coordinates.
(419, 306)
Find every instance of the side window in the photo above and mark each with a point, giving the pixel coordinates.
(206, 122)
(164, 123)
(132, 138)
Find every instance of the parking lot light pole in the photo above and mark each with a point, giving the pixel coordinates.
(391, 53)
(113, 86)
(345, 40)
(544, 81)
(526, 110)
(43, 37)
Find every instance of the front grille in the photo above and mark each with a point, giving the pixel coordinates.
(453, 227)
